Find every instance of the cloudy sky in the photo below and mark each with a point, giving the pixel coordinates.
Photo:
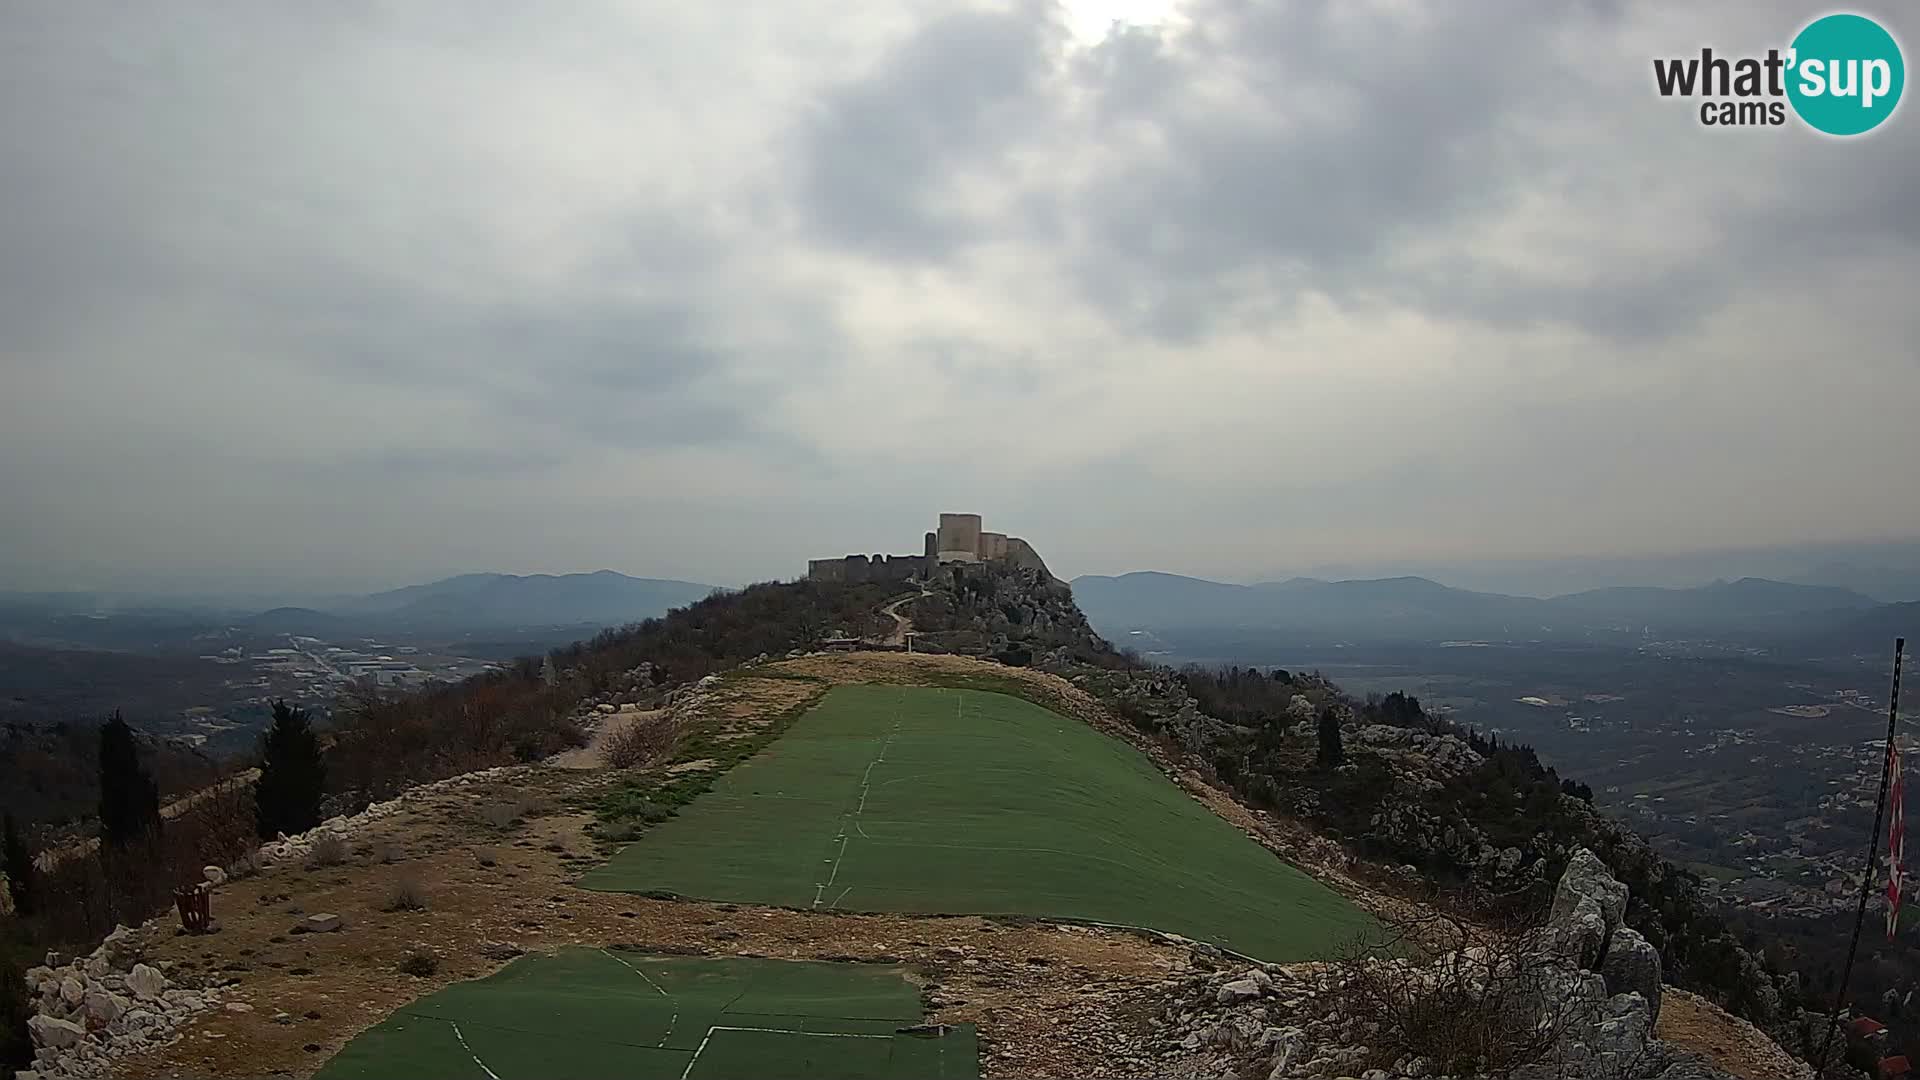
(355, 294)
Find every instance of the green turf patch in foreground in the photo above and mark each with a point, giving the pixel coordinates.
(910, 799)
(593, 1013)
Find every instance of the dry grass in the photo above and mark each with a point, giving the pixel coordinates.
(407, 894)
(331, 849)
(642, 741)
(1467, 999)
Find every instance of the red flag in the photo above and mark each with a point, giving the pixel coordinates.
(1896, 843)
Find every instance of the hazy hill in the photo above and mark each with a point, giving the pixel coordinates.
(1413, 608)
(1388, 608)
(496, 600)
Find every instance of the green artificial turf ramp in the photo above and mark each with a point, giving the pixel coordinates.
(590, 1013)
(911, 799)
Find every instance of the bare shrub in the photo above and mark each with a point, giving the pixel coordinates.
(407, 894)
(641, 742)
(499, 815)
(420, 963)
(329, 849)
(245, 866)
(1467, 999)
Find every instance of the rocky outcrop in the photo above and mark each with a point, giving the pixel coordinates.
(1585, 986)
(91, 1011)
(1631, 964)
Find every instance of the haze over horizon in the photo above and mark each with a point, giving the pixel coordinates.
(349, 298)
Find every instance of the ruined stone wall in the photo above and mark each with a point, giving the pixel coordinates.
(859, 568)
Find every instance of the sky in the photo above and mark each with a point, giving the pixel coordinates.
(350, 295)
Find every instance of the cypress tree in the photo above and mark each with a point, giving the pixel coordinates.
(292, 775)
(19, 866)
(129, 799)
(1331, 753)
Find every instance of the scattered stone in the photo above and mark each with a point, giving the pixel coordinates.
(1237, 991)
(54, 1034)
(324, 923)
(145, 981)
(104, 1007)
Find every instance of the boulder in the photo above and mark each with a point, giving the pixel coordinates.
(214, 875)
(120, 951)
(73, 990)
(324, 923)
(104, 1007)
(1632, 966)
(1587, 879)
(54, 1034)
(1236, 991)
(146, 982)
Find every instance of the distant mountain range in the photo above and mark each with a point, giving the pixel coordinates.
(486, 601)
(1417, 609)
(457, 605)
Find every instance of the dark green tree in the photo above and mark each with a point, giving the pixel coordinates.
(18, 862)
(129, 799)
(293, 775)
(1331, 753)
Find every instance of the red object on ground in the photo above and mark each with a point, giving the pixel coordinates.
(196, 906)
(1894, 1068)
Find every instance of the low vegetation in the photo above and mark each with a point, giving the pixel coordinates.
(642, 741)
(407, 894)
(329, 849)
(420, 963)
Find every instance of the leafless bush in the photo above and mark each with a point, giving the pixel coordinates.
(246, 865)
(642, 741)
(407, 894)
(329, 849)
(499, 815)
(419, 963)
(1467, 999)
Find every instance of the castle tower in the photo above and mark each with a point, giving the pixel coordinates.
(959, 538)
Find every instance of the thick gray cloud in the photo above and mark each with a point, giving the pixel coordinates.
(361, 295)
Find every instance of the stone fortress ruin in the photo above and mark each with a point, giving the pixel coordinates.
(959, 539)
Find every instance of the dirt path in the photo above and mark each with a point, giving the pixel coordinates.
(902, 626)
(594, 754)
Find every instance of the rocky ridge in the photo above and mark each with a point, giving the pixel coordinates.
(1579, 997)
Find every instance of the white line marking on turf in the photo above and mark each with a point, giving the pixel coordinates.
(675, 1019)
(469, 1050)
(837, 899)
(774, 1031)
(866, 785)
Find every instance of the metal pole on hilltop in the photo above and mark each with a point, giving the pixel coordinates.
(1873, 853)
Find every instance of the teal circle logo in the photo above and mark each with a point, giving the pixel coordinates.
(1846, 74)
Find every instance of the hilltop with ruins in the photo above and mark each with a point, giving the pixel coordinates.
(959, 539)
